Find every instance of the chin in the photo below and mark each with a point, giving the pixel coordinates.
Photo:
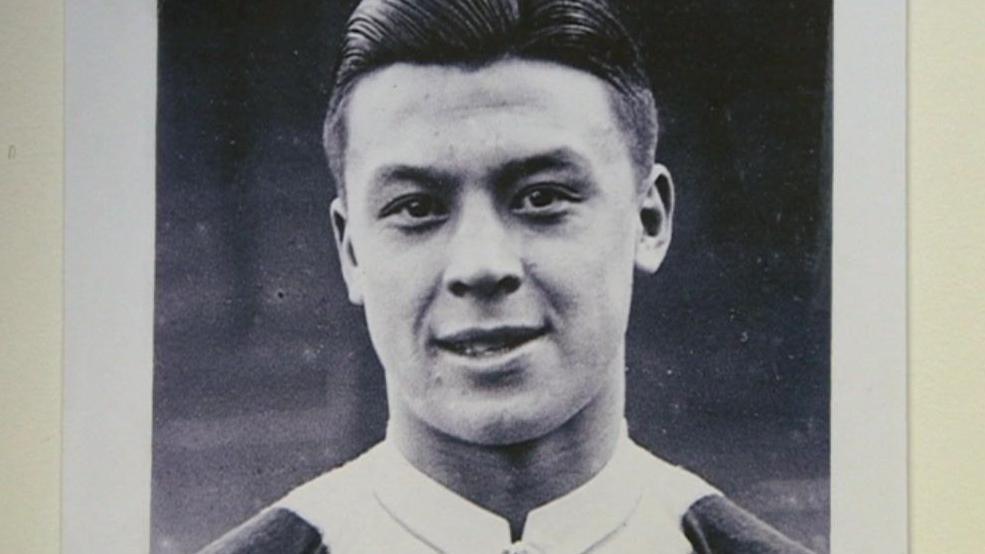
(503, 426)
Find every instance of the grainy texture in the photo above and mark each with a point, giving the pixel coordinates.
(264, 375)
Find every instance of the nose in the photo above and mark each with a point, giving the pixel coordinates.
(482, 260)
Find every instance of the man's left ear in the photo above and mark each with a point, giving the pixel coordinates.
(656, 205)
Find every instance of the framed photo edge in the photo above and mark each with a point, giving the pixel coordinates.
(110, 110)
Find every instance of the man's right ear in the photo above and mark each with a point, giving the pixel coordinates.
(347, 255)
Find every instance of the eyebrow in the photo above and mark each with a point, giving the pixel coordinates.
(558, 159)
(412, 173)
(554, 160)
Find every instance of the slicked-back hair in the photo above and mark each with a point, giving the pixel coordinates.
(582, 34)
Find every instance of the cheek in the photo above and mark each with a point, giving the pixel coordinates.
(588, 282)
(398, 284)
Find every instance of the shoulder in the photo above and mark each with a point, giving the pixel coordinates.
(336, 495)
(711, 522)
(273, 530)
(667, 487)
(716, 525)
(300, 522)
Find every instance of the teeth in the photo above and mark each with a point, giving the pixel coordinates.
(487, 345)
(481, 349)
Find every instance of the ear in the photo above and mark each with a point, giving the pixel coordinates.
(656, 212)
(347, 255)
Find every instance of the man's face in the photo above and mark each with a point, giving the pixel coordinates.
(491, 226)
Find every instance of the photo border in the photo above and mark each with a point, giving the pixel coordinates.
(110, 104)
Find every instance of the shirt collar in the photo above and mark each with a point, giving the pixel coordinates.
(450, 523)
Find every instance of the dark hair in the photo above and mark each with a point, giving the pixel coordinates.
(582, 34)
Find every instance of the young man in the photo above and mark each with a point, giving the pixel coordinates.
(497, 193)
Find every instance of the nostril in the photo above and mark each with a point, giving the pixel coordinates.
(490, 287)
(510, 283)
(458, 288)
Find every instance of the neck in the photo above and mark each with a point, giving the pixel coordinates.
(513, 479)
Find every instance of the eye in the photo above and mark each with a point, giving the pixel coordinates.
(543, 200)
(415, 209)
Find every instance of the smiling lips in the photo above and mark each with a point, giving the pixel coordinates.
(488, 342)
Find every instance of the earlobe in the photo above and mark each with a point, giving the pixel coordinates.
(656, 210)
(347, 254)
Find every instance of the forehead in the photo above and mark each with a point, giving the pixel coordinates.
(472, 117)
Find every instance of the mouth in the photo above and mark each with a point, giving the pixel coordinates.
(488, 342)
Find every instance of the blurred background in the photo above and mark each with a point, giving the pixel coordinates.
(264, 374)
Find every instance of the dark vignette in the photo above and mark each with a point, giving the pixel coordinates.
(264, 375)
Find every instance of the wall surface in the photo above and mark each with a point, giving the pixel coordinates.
(30, 273)
(947, 289)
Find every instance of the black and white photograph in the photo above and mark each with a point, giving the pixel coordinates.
(539, 276)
